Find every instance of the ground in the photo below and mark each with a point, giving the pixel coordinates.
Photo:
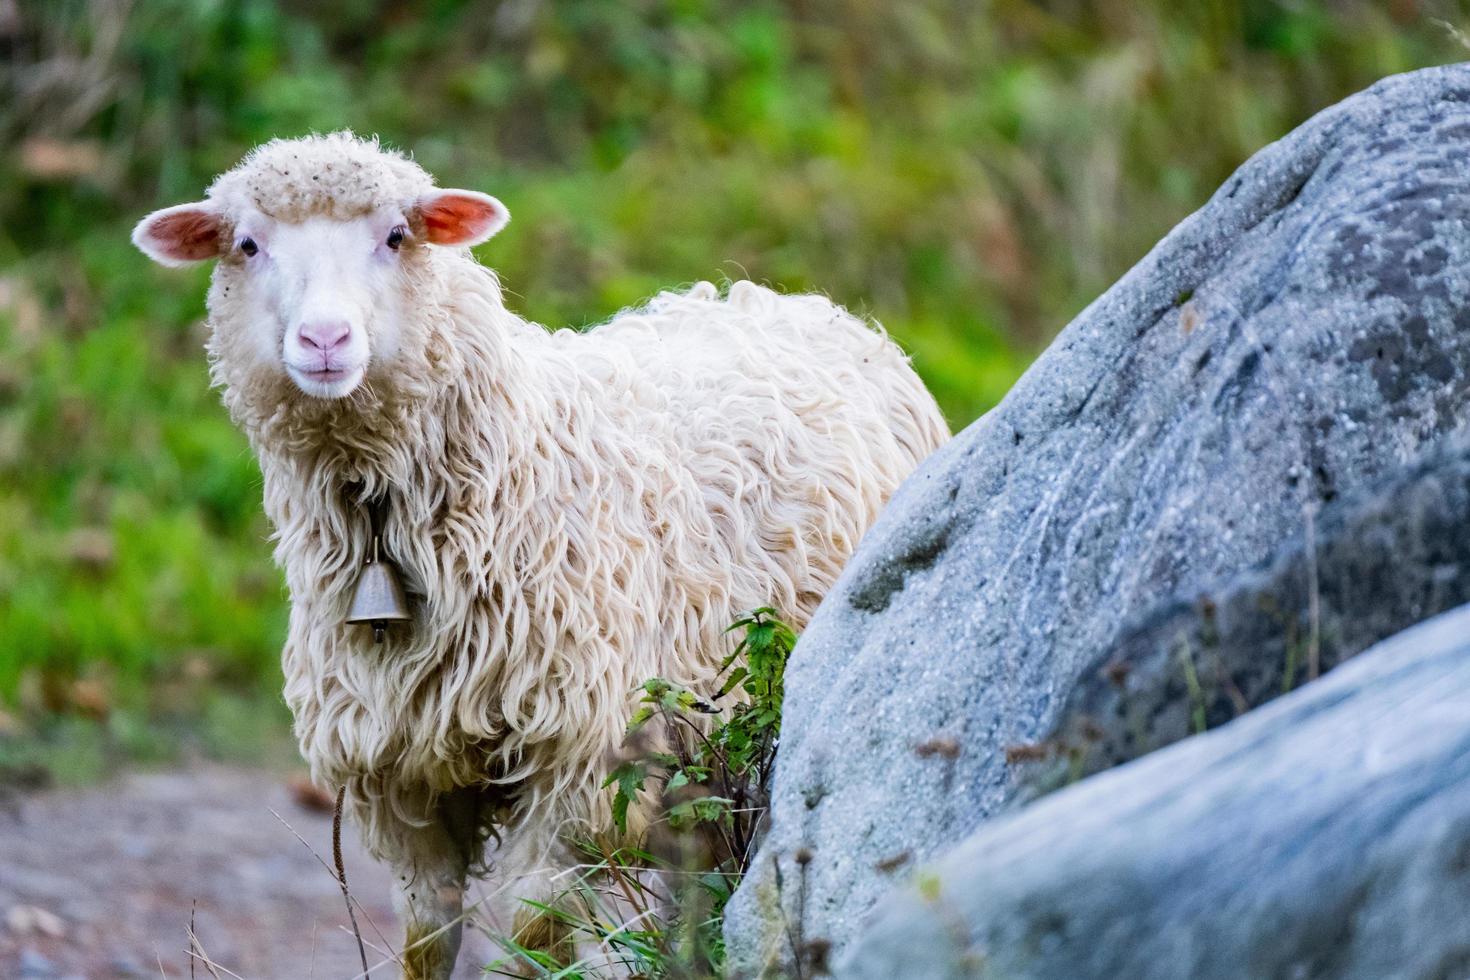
(101, 882)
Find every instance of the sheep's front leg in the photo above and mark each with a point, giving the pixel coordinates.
(431, 900)
(431, 873)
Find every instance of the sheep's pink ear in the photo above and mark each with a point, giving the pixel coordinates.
(454, 217)
(181, 234)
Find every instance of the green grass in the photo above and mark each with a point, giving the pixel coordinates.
(69, 749)
(971, 174)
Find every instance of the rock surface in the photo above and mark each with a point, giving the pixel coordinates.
(1378, 565)
(1303, 335)
(1326, 835)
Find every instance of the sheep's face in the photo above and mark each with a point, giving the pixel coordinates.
(320, 298)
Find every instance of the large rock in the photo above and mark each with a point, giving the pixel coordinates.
(1299, 337)
(1371, 567)
(1326, 835)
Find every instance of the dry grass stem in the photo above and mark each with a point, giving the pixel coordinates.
(351, 900)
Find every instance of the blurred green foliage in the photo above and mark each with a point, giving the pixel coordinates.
(969, 173)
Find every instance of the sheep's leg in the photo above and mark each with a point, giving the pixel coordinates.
(431, 902)
(431, 884)
(530, 874)
(534, 929)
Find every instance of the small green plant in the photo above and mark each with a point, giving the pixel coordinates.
(1197, 715)
(701, 766)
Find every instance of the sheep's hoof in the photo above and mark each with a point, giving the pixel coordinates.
(536, 930)
(425, 960)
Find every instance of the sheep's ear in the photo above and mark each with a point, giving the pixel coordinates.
(455, 217)
(181, 234)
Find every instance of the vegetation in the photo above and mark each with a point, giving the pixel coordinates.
(704, 771)
(969, 173)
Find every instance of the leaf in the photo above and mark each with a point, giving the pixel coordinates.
(620, 811)
(704, 809)
(656, 688)
(630, 777)
(736, 676)
(734, 655)
(639, 719)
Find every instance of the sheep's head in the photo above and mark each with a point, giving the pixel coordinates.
(318, 240)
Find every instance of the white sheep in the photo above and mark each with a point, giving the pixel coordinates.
(573, 513)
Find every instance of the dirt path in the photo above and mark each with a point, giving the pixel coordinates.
(115, 871)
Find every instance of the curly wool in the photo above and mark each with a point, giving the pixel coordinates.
(573, 513)
(339, 175)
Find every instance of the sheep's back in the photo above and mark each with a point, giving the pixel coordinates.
(795, 419)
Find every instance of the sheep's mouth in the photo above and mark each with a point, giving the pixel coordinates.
(325, 382)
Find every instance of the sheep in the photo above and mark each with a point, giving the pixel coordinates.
(572, 512)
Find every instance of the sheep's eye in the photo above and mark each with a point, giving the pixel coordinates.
(395, 238)
(248, 246)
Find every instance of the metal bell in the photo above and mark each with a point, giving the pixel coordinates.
(378, 598)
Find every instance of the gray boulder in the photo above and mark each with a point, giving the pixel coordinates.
(1373, 566)
(1303, 335)
(1326, 835)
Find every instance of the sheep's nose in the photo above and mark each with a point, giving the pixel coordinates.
(325, 335)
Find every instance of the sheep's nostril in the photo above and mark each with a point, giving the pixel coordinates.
(325, 335)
